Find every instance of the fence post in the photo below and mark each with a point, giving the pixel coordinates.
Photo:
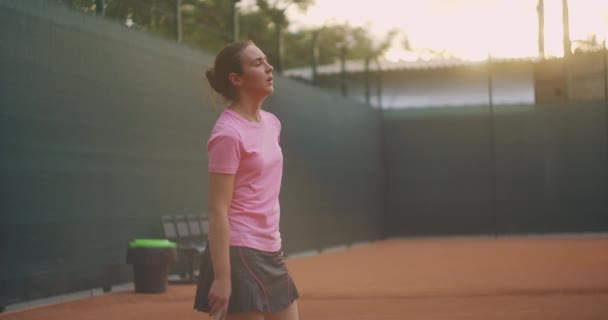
(235, 21)
(343, 70)
(315, 56)
(100, 7)
(605, 56)
(492, 147)
(379, 84)
(605, 74)
(367, 88)
(178, 14)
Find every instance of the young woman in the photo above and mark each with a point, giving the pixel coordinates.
(243, 273)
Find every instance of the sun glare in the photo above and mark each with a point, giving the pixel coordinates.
(469, 29)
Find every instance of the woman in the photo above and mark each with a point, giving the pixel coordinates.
(243, 273)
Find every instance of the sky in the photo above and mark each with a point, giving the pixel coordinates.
(470, 29)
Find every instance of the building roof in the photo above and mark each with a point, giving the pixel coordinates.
(356, 66)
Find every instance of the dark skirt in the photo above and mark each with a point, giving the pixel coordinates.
(260, 282)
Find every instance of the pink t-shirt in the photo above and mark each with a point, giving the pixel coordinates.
(252, 153)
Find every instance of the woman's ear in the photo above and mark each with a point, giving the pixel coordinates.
(234, 79)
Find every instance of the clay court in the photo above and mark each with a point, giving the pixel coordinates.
(521, 278)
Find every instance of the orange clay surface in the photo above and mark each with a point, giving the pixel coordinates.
(449, 278)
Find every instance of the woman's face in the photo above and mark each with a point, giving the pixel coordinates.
(256, 79)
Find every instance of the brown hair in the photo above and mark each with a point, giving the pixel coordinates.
(227, 61)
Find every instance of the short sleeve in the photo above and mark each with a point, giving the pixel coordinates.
(279, 134)
(278, 126)
(224, 154)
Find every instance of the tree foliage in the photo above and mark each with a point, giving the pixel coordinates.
(207, 24)
(357, 42)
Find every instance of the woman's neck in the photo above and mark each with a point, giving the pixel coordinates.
(249, 109)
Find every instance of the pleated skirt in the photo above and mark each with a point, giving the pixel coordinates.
(260, 282)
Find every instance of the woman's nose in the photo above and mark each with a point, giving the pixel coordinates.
(269, 67)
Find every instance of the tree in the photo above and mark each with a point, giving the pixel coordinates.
(257, 27)
(331, 41)
(154, 16)
(276, 13)
(206, 24)
(337, 43)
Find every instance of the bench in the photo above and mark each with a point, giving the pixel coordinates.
(189, 232)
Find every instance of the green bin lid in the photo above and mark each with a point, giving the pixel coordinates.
(151, 243)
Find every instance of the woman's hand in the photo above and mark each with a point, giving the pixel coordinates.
(219, 295)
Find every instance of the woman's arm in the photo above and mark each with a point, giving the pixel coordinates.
(220, 197)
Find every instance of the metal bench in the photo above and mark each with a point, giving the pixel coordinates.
(189, 232)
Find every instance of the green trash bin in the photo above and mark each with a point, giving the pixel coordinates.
(151, 259)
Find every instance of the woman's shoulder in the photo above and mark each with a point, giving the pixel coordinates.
(271, 116)
(225, 126)
(268, 113)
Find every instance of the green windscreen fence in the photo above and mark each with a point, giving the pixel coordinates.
(104, 130)
(507, 170)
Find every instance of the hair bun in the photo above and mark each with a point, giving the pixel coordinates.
(210, 74)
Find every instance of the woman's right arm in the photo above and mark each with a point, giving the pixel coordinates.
(220, 197)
